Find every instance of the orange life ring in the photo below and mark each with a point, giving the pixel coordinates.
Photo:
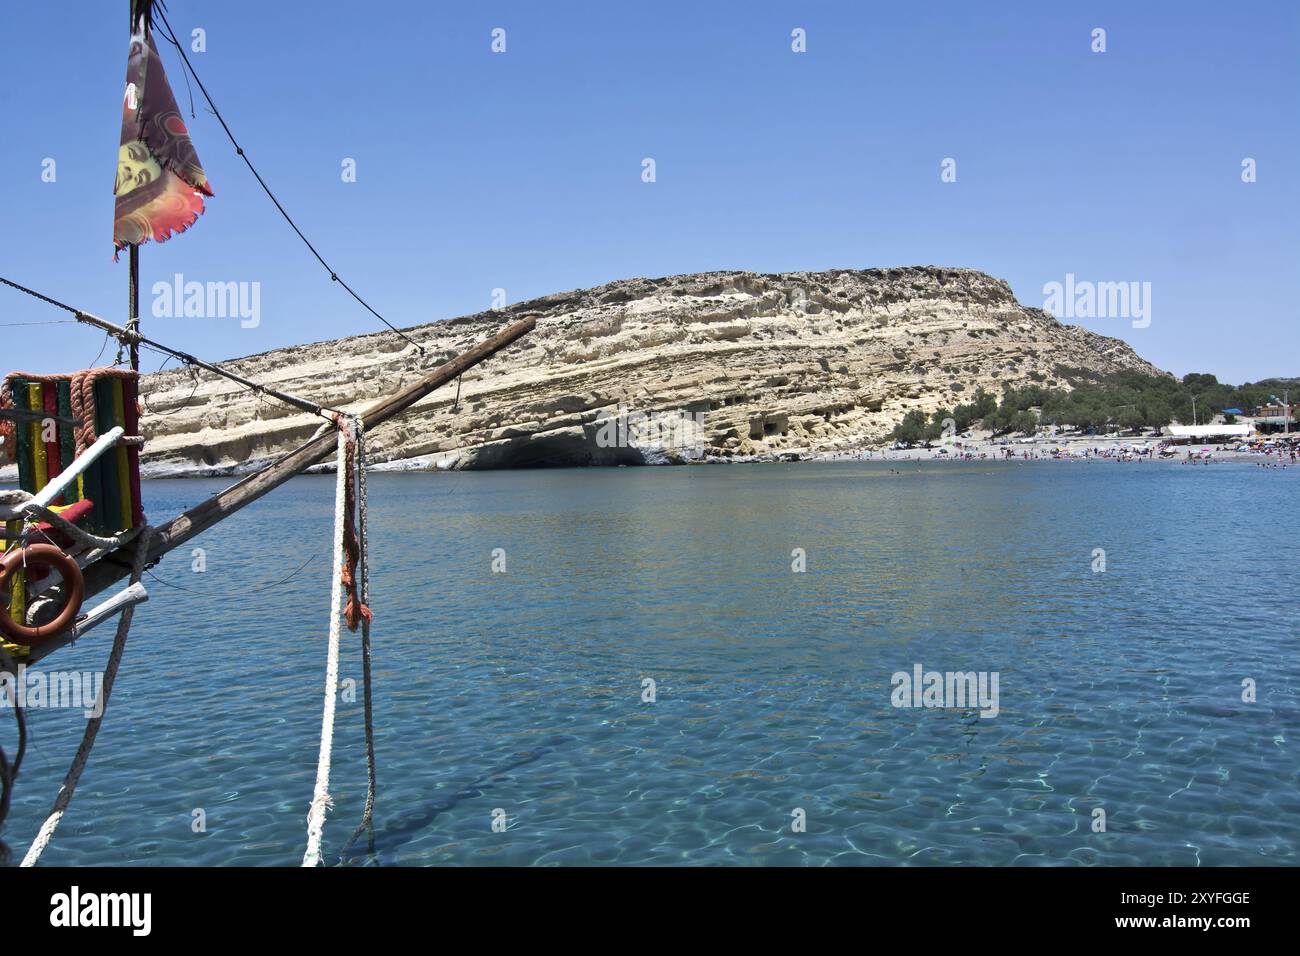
(74, 592)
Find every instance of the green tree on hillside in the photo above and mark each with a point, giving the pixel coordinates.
(911, 429)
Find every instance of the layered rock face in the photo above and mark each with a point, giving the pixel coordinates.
(720, 365)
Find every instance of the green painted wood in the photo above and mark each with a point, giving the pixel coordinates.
(109, 506)
(23, 434)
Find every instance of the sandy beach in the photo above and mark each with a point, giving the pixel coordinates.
(981, 446)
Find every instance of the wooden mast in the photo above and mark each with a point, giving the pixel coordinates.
(139, 8)
(133, 304)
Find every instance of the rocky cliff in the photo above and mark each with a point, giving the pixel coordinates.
(737, 364)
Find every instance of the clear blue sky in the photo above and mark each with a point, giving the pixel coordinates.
(523, 170)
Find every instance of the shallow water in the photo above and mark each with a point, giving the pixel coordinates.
(522, 691)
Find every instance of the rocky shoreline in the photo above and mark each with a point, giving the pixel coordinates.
(756, 367)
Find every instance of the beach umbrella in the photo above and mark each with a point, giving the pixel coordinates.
(160, 182)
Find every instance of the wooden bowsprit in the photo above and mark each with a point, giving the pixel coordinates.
(116, 565)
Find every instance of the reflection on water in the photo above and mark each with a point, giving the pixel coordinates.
(522, 691)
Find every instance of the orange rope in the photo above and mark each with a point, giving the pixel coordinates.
(355, 609)
(83, 403)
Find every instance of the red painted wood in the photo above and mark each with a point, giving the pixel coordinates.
(53, 451)
(131, 414)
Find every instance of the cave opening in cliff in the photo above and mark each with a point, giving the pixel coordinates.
(556, 451)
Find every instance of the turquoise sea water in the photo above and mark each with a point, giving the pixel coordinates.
(522, 691)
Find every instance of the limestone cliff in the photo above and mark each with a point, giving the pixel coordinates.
(765, 365)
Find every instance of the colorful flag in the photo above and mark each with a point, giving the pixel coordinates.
(160, 184)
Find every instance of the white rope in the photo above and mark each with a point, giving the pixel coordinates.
(92, 725)
(31, 511)
(320, 801)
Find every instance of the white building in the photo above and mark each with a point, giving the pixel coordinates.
(1209, 432)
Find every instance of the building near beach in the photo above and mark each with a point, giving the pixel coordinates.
(1201, 433)
(1273, 418)
(1273, 424)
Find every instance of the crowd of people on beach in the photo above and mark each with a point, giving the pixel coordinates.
(1266, 452)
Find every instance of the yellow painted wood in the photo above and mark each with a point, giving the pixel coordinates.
(36, 402)
(17, 583)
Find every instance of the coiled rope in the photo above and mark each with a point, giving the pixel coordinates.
(82, 395)
(64, 797)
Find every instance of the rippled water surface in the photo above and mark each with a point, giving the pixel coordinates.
(523, 691)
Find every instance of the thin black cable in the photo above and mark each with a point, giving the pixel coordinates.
(44, 298)
(194, 391)
(101, 351)
(170, 37)
(184, 357)
(6, 787)
(9, 773)
(225, 592)
(248, 388)
(20, 715)
(144, 396)
(184, 73)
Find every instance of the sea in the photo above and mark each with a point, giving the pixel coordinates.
(724, 665)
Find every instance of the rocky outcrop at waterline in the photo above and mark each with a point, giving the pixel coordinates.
(719, 365)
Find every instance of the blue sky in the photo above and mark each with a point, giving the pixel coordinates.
(522, 170)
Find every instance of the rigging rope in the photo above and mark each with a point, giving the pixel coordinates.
(224, 592)
(92, 725)
(36, 295)
(135, 339)
(349, 552)
(31, 511)
(170, 37)
(367, 815)
(9, 769)
(320, 800)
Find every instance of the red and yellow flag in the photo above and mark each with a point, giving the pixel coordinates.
(160, 184)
